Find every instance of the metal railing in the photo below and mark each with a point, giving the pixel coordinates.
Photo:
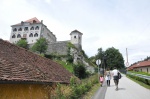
(139, 75)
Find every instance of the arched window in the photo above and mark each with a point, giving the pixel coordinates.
(20, 29)
(14, 36)
(31, 35)
(18, 36)
(26, 29)
(37, 28)
(35, 35)
(14, 29)
(32, 28)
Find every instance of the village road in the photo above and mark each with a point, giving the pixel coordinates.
(127, 90)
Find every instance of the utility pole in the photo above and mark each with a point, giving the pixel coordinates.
(127, 63)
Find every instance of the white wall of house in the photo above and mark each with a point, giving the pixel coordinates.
(34, 32)
(143, 69)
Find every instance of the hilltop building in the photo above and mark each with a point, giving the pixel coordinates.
(33, 29)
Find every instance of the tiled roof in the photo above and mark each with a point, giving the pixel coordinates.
(140, 64)
(19, 64)
(30, 21)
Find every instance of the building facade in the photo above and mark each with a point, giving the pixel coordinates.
(31, 30)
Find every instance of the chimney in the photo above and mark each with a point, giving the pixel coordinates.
(22, 22)
(41, 21)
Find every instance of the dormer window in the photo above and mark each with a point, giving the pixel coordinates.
(35, 35)
(14, 30)
(20, 29)
(26, 29)
(34, 21)
(31, 35)
(32, 28)
(37, 28)
(18, 36)
(14, 36)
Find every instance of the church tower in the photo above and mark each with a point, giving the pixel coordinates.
(76, 38)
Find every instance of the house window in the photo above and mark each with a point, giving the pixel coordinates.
(31, 35)
(14, 36)
(35, 35)
(37, 28)
(74, 36)
(34, 21)
(18, 36)
(32, 28)
(26, 29)
(20, 29)
(14, 30)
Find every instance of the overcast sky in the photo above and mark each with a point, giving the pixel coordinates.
(104, 23)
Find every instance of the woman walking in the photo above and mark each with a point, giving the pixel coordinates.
(108, 76)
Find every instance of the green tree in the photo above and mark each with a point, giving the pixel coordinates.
(114, 58)
(22, 43)
(40, 46)
(80, 71)
(100, 54)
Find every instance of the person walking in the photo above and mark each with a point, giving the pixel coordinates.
(108, 76)
(101, 78)
(115, 77)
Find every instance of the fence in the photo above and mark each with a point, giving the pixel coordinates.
(139, 75)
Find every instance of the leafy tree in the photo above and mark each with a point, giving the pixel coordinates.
(100, 54)
(40, 46)
(22, 43)
(114, 58)
(79, 71)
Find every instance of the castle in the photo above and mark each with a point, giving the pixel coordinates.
(33, 29)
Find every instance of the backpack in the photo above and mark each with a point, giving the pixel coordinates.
(119, 75)
(108, 74)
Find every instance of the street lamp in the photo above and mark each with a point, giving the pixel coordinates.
(98, 62)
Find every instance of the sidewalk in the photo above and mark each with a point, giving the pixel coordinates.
(127, 90)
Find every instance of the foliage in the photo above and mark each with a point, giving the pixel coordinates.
(141, 81)
(111, 57)
(84, 54)
(79, 71)
(114, 58)
(76, 90)
(70, 59)
(22, 43)
(40, 46)
(70, 45)
(67, 66)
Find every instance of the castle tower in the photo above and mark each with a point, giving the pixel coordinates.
(76, 38)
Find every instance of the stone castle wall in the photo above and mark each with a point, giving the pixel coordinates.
(58, 48)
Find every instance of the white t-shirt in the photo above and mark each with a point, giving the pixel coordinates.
(115, 72)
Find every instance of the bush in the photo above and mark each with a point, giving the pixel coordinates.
(76, 89)
(79, 71)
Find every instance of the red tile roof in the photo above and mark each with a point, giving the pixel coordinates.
(18, 64)
(30, 21)
(140, 64)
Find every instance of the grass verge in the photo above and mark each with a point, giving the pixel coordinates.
(140, 83)
(91, 92)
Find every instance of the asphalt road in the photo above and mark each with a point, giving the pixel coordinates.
(127, 90)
